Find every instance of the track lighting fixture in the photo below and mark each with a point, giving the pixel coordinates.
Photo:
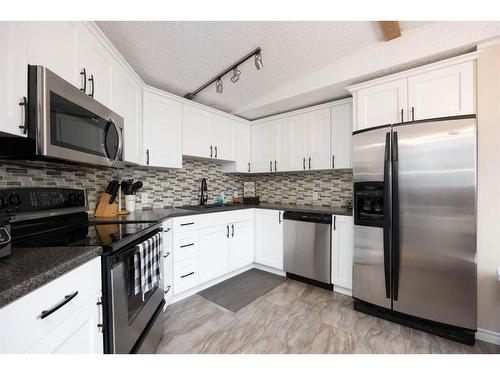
(258, 61)
(236, 75)
(256, 54)
(218, 86)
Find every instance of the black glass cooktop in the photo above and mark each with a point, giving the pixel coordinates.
(73, 230)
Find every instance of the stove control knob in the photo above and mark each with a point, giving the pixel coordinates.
(15, 200)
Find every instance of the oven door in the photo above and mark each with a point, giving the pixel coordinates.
(132, 313)
(71, 125)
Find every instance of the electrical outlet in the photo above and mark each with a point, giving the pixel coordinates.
(144, 198)
(315, 196)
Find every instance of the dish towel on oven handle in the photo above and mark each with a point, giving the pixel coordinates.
(147, 264)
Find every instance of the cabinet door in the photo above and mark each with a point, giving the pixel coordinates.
(269, 238)
(54, 45)
(262, 147)
(318, 136)
(342, 251)
(280, 162)
(196, 132)
(162, 131)
(241, 245)
(78, 334)
(222, 137)
(241, 142)
(443, 92)
(127, 102)
(213, 245)
(297, 142)
(382, 104)
(98, 63)
(13, 75)
(341, 135)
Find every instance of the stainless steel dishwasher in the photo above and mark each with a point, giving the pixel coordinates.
(307, 247)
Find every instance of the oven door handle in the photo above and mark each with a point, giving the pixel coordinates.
(116, 258)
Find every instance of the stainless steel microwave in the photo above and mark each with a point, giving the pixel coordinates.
(65, 124)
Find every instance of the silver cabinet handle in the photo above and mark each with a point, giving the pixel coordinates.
(271, 165)
(92, 80)
(211, 151)
(83, 73)
(232, 230)
(333, 161)
(147, 157)
(412, 113)
(304, 163)
(99, 306)
(275, 169)
(216, 152)
(227, 234)
(248, 167)
(401, 115)
(24, 126)
(279, 217)
(309, 162)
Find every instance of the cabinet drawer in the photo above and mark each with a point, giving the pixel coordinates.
(186, 275)
(22, 325)
(185, 224)
(185, 246)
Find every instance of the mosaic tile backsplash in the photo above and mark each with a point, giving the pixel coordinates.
(178, 187)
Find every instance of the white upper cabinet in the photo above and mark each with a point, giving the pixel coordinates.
(55, 46)
(98, 63)
(162, 130)
(262, 147)
(297, 142)
(281, 147)
(196, 132)
(341, 135)
(318, 139)
(445, 88)
(382, 104)
(207, 134)
(127, 102)
(241, 149)
(13, 75)
(444, 92)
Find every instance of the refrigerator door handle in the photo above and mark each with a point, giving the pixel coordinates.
(395, 216)
(387, 229)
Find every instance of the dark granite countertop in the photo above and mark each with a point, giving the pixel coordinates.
(27, 269)
(157, 214)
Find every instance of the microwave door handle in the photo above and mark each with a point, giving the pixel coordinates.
(120, 143)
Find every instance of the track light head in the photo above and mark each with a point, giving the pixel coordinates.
(218, 86)
(236, 75)
(258, 61)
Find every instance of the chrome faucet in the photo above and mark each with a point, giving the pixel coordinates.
(204, 188)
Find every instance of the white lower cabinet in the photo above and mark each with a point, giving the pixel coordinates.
(214, 246)
(241, 244)
(76, 335)
(269, 238)
(342, 251)
(73, 326)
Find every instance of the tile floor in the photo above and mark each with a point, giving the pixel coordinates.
(295, 318)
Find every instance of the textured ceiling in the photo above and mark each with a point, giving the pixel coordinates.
(180, 56)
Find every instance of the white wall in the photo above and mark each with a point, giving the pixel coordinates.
(488, 246)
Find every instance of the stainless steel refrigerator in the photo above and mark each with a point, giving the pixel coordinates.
(415, 224)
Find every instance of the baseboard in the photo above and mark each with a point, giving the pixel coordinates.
(269, 269)
(488, 336)
(342, 290)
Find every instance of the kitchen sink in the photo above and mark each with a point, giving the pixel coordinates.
(206, 206)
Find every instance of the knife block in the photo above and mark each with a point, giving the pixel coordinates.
(104, 209)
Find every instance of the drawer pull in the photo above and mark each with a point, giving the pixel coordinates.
(189, 244)
(187, 274)
(69, 297)
(166, 255)
(166, 230)
(168, 289)
(184, 224)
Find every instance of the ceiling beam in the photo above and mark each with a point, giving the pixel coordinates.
(390, 29)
